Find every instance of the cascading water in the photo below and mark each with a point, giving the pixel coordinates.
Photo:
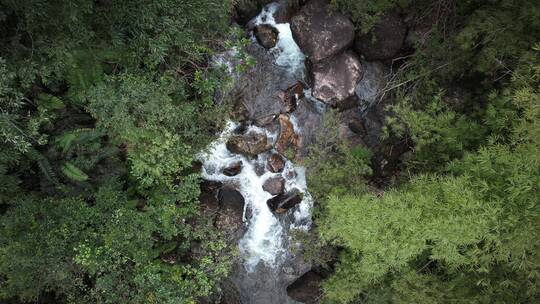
(266, 247)
(263, 241)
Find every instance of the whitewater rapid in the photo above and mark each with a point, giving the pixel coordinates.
(267, 238)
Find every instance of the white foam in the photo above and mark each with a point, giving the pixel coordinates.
(264, 239)
(286, 52)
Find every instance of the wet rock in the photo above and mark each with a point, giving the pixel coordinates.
(229, 219)
(307, 288)
(266, 35)
(309, 119)
(233, 169)
(369, 89)
(265, 121)
(276, 163)
(334, 80)
(247, 9)
(285, 10)
(321, 32)
(385, 40)
(274, 185)
(283, 202)
(287, 138)
(251, 144)
(291, 97)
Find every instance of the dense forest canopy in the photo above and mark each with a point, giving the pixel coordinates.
(104, 106)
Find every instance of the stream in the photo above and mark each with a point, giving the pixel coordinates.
(269, 262)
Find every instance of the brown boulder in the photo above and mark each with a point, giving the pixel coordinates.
(287, 137)
(321, 32)
(334, 80)
(276, 163)
(233, 169)
(385, 39)
(274, 185)
(285, 201)
(250, 144)
(266, 35)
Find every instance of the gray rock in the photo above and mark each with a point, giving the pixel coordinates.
(251, 144)
(307, 288)
(334, 80)
(309, 119)
(274, 185)
(247, 9)
(369, 89)
(385, 40)
(259, 92)
(320, 32)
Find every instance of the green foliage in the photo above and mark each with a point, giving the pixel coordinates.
(365, 14)
(60, 244)
(103, 107)
(334, 167)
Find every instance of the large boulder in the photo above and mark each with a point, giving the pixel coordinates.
(385, 39)
(229, 219)
(247, 9)
(309, 120)
(306, 289)
(321, 32)
(266, 35)
(285, 10)
(370, 88)
(251, 144)
(334, 80)
(274, 185)
(283, 202)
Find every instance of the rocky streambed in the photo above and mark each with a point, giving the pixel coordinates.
(307, 61)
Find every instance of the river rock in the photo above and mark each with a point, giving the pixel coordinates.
(283, 202)
(251, 144)
(233, 169)
(385, 40)
(369, 89)
(274, 185)
(287, 138)
(334, 80)
(321, 32)
(291, 97)
(266, 35)
(275, 163)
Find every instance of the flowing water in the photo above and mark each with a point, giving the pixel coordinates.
(268, 261)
